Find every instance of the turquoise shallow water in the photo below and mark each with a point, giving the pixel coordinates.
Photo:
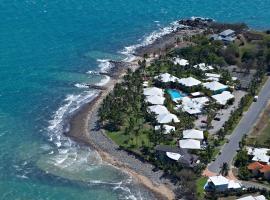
(46, 47)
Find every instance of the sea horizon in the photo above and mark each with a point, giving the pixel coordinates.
(49, 50)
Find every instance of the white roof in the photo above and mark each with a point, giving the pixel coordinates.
(201, 100)
(193, 106)
(227, 32)
(214, 86)
(167, 129)
(173, 156)
(145, 84)
(180, 61)
(260, 197)
(167, 118)
(234, 185)
(203, 67)
(260, 154)
(158, 109)
(195, 94)
(153, 91)
(223, 98)
(166, 77)
(218, 180)
(193, 134)
(212, 75)
(189, 82)
(261, 158)
(190, 144)
(155, 100)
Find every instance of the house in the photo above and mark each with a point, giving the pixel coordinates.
(260, 197)
(158, 109)
(155, 100)
(167, 129)
(226, 36)
(259, 155)
(255, 167)
(167, 118)
(265, 170)
(153, 91)
(176, 154)
(190, 144)
(181, 62)
(215, 86)
(203, 67)
(196, 94)
(167, 78)
(189, 82)
(221, 184)
(193, 134)
(227, 33)
(223, 98)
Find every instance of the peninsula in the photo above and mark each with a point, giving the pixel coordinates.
(166, 115)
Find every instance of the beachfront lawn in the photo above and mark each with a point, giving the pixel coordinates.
(200, 187)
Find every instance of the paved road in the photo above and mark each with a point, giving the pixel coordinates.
(244, 127)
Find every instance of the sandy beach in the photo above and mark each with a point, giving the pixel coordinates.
(84, 127)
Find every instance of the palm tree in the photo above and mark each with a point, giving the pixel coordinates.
(224, 169)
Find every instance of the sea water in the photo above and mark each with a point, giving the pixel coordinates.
(48, 50)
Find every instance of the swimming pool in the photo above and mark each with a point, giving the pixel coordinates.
(176, 94)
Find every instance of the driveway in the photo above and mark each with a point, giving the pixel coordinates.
(244, 127)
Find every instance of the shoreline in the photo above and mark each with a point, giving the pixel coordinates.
(83, 130)
(83, 124)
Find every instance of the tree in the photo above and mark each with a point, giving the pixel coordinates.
(224, 169)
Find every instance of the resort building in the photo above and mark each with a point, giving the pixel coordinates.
(215, 86)
(203, 67)
(176, 154)
(158, 109)
(196, 94)
(223, 98)
(153, 91)
(193, 134)
(189, 82)
(181, 62)
(167, 128)
(190, 144)
(221, 184)
(193, 106)
(167, 118)
(260, 197)
(167, 78)
(155, 100)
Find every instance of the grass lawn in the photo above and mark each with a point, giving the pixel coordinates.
(128, 141)
(199, 187)
(262, 139)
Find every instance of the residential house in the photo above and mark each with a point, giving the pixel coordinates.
(260, 197)
(221, 184)
(223, 98)
(215, 86)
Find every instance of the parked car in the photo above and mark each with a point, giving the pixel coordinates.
(255, 98)
(217, 118)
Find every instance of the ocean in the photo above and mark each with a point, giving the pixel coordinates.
(48, 50)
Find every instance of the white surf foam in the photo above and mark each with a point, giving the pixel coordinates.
(105, 65)
(104, 81)
(80, 85)
(151, 38)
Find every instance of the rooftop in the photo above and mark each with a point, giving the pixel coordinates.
(193, 134)
(203, 67)
(223, 98)
(219, 180)
(189, 82)
(226, 33)
(155, 100)
(215, 86)
(167, 118)
(190, 144)
(179, 61)
(158, 109)
(255, 166)
(260, 197)
(166, 77)
(153, 91)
